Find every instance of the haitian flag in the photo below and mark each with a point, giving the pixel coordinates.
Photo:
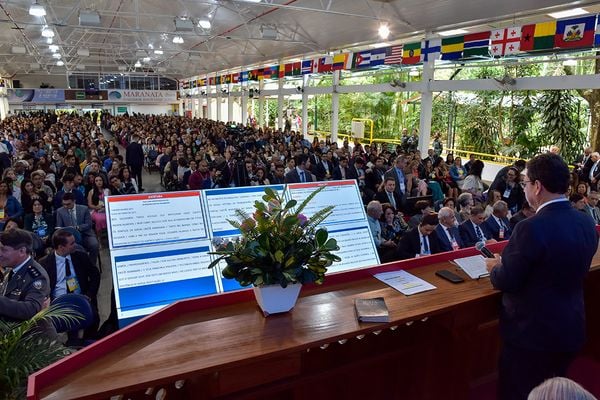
(575, 32)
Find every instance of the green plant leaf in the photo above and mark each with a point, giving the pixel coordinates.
(321, 237)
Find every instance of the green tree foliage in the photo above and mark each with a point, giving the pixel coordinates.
(559, 123)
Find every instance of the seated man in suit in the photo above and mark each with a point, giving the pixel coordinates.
(389, 195)
(72, 271)
(498, 224)
(420, 241)
(447, 231)
(302, 171)
(79, 218)
(474, 230)
(526, 212)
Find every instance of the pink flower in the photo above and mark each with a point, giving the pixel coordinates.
(302, 219)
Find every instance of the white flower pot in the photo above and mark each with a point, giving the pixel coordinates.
(274, 299)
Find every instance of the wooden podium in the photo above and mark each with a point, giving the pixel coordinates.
(437, 345)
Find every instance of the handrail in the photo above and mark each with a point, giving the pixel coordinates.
(483, 156)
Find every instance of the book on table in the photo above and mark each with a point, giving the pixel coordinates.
(372, 310)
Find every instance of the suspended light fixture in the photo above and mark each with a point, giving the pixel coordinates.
(384, 31)
(60, 63)
(53, 48)
(47, 32)
(204, 24)
(177, 39)
(37, 10)
(56, 55)
(49, 40)
(137, 64)
(159, 52)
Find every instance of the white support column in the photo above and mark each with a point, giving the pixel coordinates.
(229, 104)
(218, 101)
(208, 107)
(280, 124)
(305, 79)
(244, 102)
(426, 108)
(261, 105)
(335, 107)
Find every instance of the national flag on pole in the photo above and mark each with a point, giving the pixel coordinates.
(244, 76)
(325, 64)
(281, 71)
(505, 41)
(452, 47)
(296, 68)
(260, 74)
(289, 68)
(253, 75)
(477, 44)
(575, 32)
(201, 82)
(411, 53)
(597, 37)
(361, 59)
(393, 55)
(235, 78)
(315, 66)
(211, 81)
(339, 61)
(538, 36)
(226, 79)
(369, 58)
(306, 67)
(430, 49)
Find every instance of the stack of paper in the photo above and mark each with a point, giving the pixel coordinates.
(473, 266)
(404, 282)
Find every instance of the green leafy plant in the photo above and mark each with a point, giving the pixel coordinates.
(278, 244)
(24, 350)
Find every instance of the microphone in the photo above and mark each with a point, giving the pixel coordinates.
(480, 246)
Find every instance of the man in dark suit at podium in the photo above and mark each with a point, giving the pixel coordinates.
(420, 241)
(541, 274)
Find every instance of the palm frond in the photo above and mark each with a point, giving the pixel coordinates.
(303, 205)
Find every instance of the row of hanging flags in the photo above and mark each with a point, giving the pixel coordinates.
(570, 33)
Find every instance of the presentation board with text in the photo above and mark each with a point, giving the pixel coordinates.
(160, 242)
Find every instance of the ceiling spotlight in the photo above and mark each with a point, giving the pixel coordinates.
(137, 64)
(384, 31)
(56, 55)
(158, 52)
(60, 63)
(204, 24)
(53, 48)
(37, 10)
(177, 39)
(146, 59)
(47, 32)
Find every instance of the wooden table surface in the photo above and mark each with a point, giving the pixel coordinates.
(212, 339)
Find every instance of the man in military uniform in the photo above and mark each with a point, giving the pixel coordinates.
(25, 289)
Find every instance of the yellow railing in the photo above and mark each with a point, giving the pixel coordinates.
(342, 136)
(464, 154)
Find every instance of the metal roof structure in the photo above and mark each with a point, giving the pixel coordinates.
(116, 36)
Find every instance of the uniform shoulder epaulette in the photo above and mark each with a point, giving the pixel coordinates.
(33, 271)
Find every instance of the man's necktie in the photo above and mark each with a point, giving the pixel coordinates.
(4, 284)
(450, 233)
(479, 233)
(302, 178)
(391, 197)
(73, 218)
(425, 245)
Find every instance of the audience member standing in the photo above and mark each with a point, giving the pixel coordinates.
(134, 157)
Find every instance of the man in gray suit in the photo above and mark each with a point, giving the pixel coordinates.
(25, 287)
(78, 217)
(397, 173)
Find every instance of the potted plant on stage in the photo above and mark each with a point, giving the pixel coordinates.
(278, 250)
